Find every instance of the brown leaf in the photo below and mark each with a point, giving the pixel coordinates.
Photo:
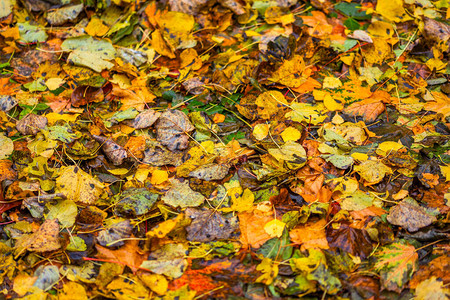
(85, 94)
(210, 172)
(145, 119)
(208, 225)
(172, 130)
(438, 267)
(31, 124)
(410, 216)
(352, 240)
(113, 151)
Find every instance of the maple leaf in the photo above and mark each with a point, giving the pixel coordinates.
(396, 263)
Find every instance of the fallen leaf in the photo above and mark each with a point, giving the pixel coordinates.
(410, 214)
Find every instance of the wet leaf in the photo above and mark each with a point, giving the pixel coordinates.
(352, 240)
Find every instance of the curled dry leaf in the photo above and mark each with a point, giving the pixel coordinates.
(172, 130)
(31, 124)
(113, 151)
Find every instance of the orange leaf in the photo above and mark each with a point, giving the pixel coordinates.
(310, 235)
(128, 255)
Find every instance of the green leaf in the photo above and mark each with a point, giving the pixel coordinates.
(76, 244)
(31, 33)
(63, 133)
(396, 263)
(65, 211)
(352, 10)
(36, 86)
(352, 24)
(277, 248)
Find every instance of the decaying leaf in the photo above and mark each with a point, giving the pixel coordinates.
(113, 151)
(31, 124)
(45, 239)
(173, 129)
(78, 185)
(410, 215)
(207, 225)
(181, 195)
(396, 263)
(134, 202)
(211, 172)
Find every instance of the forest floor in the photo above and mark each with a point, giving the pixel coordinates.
(236, 149)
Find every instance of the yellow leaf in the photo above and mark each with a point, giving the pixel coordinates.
(436, 64)
(392, 10)
(240, 203)
(159, 44)
(141, 173)
(119, 171)
(291, 72)
(438, 102)
(158, 177)
(304, 112)
(175, 21)
(96, 27)
(445, 170)
(190, 59)
(164, 228)
(360, 156)
(386, 147)
(78, 185)
(372, 171)
(72, 291)
(332, 104)
(208, 146)
(53, 117)
(269, 103)
(23, 283)
(156, 282)
(274, 228)
(269, 269)
(6, 146)
(260, 131)
(54, 83)
(291, 134)
(331, 83)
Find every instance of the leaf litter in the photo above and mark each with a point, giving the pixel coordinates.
(215, 149)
